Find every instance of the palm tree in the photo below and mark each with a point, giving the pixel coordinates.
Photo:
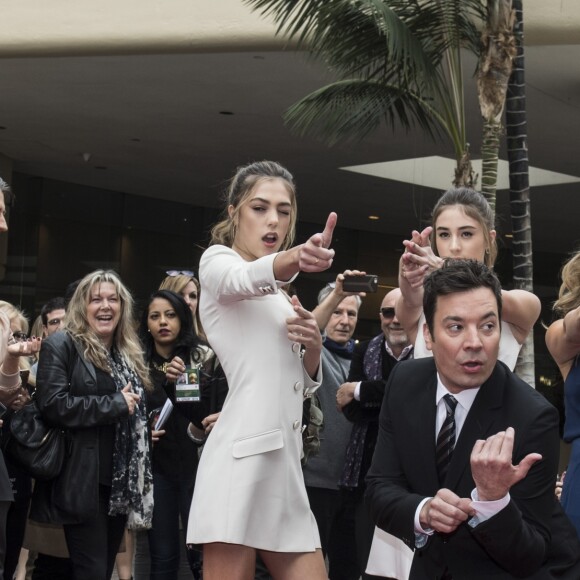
(397, 61)
(517, 141)
(400, 61)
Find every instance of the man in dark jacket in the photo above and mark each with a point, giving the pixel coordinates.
(360, 400)
(467, 454)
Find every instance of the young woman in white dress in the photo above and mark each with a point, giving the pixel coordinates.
(249, 494)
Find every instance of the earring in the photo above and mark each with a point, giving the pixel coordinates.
(487, 250)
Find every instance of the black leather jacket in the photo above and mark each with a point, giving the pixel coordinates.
(66, 391)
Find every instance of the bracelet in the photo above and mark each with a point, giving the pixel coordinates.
(196, 440)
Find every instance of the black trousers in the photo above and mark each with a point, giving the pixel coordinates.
(52, 568)
(17, 516)
(4, 507)
(94, 544)
(334, 513)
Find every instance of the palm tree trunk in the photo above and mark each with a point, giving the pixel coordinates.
(517, 146)
(495, 67)
(464, 174)
(492, 131)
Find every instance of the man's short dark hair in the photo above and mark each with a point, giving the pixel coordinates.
(53, 304)
(457, 276)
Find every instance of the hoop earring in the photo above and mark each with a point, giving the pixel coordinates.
(487, 251)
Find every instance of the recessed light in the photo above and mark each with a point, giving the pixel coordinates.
(374, 217)
(226, 113)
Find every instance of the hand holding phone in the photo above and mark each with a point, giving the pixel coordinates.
(361, 283)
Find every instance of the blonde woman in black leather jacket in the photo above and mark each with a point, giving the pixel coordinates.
(91, 382)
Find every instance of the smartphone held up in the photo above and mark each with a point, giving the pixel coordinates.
(361, 283)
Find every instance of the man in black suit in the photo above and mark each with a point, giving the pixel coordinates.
(485, 507)
(360, 400)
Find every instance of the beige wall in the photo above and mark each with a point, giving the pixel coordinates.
(33, 27)
(113, 26)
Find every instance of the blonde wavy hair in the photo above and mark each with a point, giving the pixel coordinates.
(242, 185)
(569, 294)
(125, 338)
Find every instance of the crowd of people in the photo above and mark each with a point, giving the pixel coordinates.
(234, 425)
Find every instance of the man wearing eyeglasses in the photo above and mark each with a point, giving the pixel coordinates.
(360, 400)
(52, 314)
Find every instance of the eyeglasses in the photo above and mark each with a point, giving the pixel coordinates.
(388, 312)
(19, 336)
(180, 273)
(54, 322)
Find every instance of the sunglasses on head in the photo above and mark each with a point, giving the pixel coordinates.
(180, 273)
(388, 312)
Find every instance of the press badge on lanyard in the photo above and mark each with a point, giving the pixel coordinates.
(187, 386)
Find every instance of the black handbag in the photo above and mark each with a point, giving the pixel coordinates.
(38, 449)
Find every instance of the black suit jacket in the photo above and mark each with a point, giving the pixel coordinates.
(530, 538)
(371, 391)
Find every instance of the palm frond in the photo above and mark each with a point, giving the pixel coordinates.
(353, 37)
(397, 60)
(352, 109)
(366, 38)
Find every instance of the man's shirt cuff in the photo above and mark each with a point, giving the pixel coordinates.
(484, 510)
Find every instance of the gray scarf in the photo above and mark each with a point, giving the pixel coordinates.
(354, 452)
(132, 485)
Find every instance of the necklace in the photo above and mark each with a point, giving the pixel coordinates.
(160, 367)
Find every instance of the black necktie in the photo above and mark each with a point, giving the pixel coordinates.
(446, 438)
